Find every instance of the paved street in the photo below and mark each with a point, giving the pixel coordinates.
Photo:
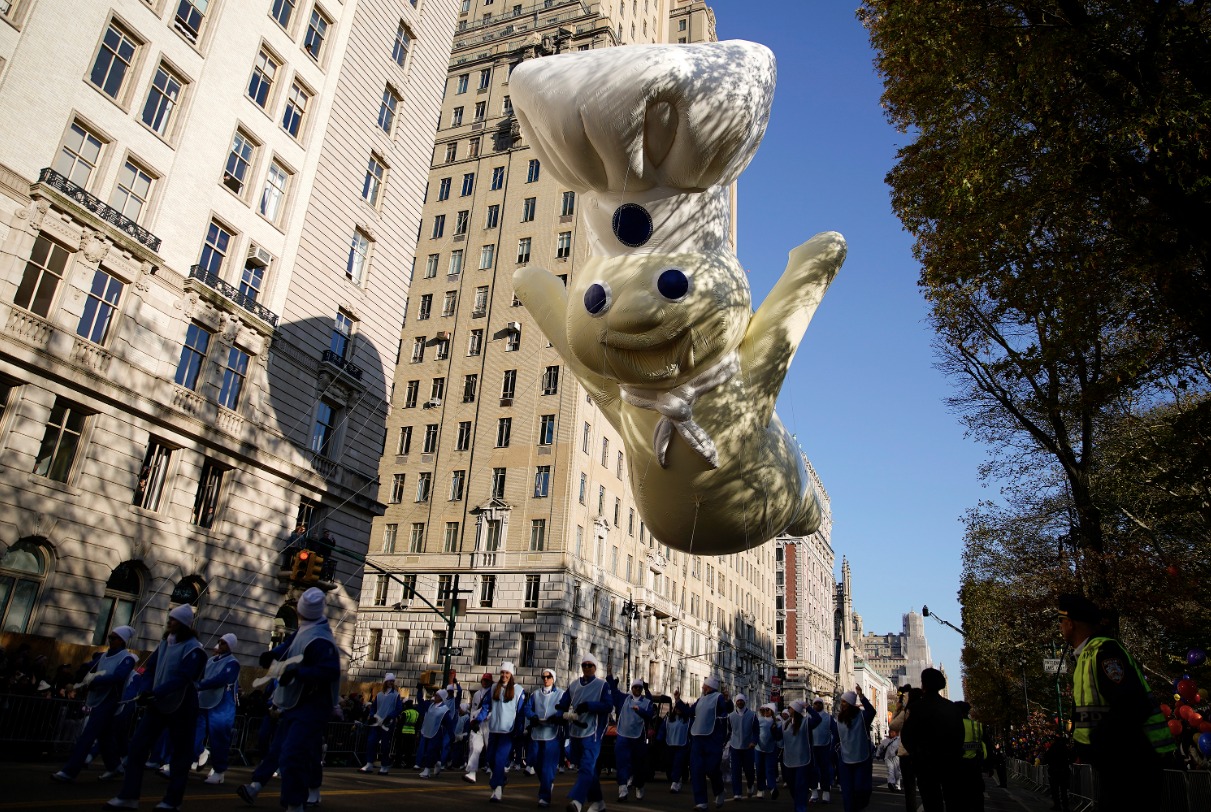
(27, 786)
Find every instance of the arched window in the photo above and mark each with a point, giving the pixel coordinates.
(122, 592)
(22, 572)
(284, 625)
(188, 590)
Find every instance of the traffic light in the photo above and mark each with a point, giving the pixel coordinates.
(298, 565)
(315, 565)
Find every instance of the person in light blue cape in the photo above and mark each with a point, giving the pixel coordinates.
(105, 683)
(216, 703)
(546, 733)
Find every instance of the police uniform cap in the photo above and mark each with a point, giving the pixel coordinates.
(1078, 608)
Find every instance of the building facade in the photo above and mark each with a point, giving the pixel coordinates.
(501, 475)
(901, 657)
(207, 214)
(804, 603)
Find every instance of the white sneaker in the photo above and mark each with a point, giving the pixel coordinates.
(469, 778)
(638, 793)
(151, 765)
(596, 806)
(121, 803)
(214, 778)
(496, 796)
(368, 767)
(110, 775)
(543, 804)
(815, 797)
(202, 759)
(573, 806)
(737, 798)
(719, 801)
(313, 797)
(825, 798)
(675, 787)
(248, 792)
(383, 770)
(437, 768)
(167, 806)
(88, 759)
(759, 794)
(61, 777)
(165, 770)
(425, 773)
(530, 771)
(622, 792)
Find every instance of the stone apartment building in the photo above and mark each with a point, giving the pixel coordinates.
(499, 471)
(208, 210)
(900, 657)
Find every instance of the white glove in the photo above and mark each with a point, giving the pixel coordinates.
(571, 716)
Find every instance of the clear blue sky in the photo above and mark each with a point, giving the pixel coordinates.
(862, 395)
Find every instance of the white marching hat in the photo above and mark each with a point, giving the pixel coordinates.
(389, 677)
(711, 682)
(637, 682)
(798, 707)
(506, 666)
(231, 641)
(311, 604)
(182, 614)
(441, 694)
(849, 697)
(741, 698)
(125, 632)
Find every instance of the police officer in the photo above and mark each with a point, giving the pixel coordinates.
(975, 757)
(1118, 727)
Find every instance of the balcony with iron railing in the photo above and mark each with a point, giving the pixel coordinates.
(247, 302)
(343, 364)
(91, 203)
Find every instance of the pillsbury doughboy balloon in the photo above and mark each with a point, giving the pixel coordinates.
(658, 324)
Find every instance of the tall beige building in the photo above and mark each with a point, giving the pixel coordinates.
(499, 470)
(208, 210)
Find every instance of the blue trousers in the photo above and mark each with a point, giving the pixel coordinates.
(302, 749)
(215, 725)
(706, 753)
(101, 729)
(430, 750)
(678, 758)
(767, 770)
(378, 741)
(822, 758)
(742, 761)
(545, 760)
(856, 785)
(179, 725)
(587, 788)
(630, 757)
(800, 780)
(500, 748)
(272, 757)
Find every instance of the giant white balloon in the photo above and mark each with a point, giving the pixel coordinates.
(658, 324)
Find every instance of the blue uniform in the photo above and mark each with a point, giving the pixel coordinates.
(388, 705)
(437, 724)
(631, 746)
(856, 757)
(769, 736)
(708, 733)
(677, 739)
(216, 709)
(112, 670)
(824, 739)
(797, 756)
(742, 741)
(505, 719)
(546, 735)
(592, 700)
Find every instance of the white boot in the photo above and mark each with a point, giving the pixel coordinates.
(214, 778)
(165, 770)
(719, 801)
(496, 796)
(202, 759)
(313, 797)
(638, 793)
(426, 773)
(368, 767)
(815, 796)
(383, 770)
(675, 787)
(573, 806)
(437, 768)
(825, 798)
(622, 792)
(469, 778)
(248, 792)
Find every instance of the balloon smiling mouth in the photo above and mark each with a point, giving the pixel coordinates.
(636, 358)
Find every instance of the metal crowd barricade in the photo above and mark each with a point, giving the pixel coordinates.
(29, 723)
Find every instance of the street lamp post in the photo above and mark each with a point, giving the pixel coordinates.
(925, 611)
(629, 611)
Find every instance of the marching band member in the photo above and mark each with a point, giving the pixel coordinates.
(546, 733)
(631, 747)
(105, 681)
(586, 706)
(504, 721)
(216, 703)
(387, 707)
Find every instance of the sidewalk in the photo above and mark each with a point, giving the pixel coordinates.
(1017, 797)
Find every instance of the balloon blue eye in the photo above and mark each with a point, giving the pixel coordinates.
(597, 298)
(673, 284)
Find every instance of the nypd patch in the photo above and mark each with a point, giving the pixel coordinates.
(1114, 670)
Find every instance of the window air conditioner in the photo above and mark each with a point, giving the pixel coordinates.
(515, 326)
(259, 257)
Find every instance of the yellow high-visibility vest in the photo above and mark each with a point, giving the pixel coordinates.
(973, 739)
(1091, 706)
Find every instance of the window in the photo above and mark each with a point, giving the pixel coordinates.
(382, 583)
(476, 343)
(542, 485)
(437, 391)
(563, 245)
(498, 178)
(468, 184)
(162, 99)
(273, 195)
(450, 300)
(528, 207)
(371, 187)
(430, 444)
(416, 544)
(323, 431)
(493, 217)
(617, 510)
(359, 253)
(401, 645)
(469, 384)
(483, 645)
(568, 208)
(443, 189)
(214, 249)
(43, 272)
(461, 221)
(480, 306)
(513, 341)
(60, 440)
(618, 468)
(410, 394)
(234, 374)
(122, 593)
(443, 349)
(397, 488)
(523, 250)
(190, 16)
(399, 48)
(533, 171)
(341, 342)
(550, 381)
(572, 652)
(487, 590)
(526, 660)
(463, 81)
(504, 427)
(605, 452)
(317, 30)
(473, 144)
(424, 482)
(439, 638)
(533, 584)
(206, 501)
(631, 522)
(424, 309)
(193, 355)
(22, 571)
(149, 489)
(481, 111)
(99, 305)
(498, 483)
(79, 155)
(495, 528)
(486, 255)
(458, 480)
(601, 500)
(113, 61)
(456, 117)
(296, 108)
(485, 78)
(386, 111)
(509, 384)
(405, 438)
(584, 485)
(282, 11)
(418, 349)
(239, 162)
(584, 443)
(546, 429)
(506, 107)
(464, 436)
(451, 152)
(431, 265)
(439, 227)
(264, 71)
